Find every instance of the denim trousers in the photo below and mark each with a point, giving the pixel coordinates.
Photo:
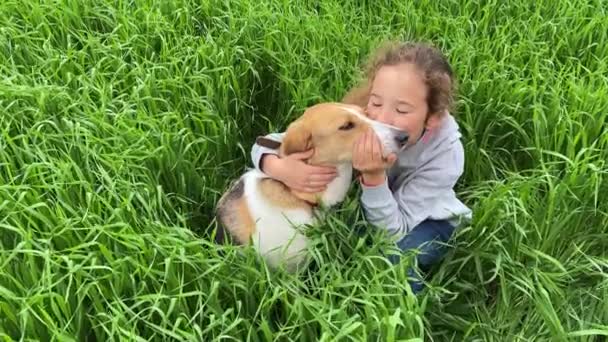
(427, 239)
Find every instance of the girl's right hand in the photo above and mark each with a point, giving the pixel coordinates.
(296, 174)
(367, 158)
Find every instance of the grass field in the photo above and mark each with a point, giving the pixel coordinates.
(122, 121)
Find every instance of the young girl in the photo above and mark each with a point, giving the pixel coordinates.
(410, 86)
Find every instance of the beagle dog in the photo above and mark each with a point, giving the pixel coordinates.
(264, 212)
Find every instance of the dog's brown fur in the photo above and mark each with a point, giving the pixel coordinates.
(314, 130)
(240, 222)
(279, 195)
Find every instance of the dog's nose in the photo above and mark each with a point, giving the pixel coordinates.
(401, 138)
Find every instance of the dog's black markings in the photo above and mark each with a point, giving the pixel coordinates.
(220, 232)
(265, 142)
(235, 191)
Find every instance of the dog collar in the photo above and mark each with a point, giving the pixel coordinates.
(269, 143)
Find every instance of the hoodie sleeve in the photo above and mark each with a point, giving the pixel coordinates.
(257, 151)
(417, 198)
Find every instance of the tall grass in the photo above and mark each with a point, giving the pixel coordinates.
(123, 121)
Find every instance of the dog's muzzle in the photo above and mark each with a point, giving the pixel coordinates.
(401, 138)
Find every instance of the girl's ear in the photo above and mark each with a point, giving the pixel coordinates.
(434, 121)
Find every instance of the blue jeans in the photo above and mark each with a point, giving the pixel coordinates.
(423, 238)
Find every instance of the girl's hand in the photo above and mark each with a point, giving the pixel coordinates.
(367, 158)
(296, 174)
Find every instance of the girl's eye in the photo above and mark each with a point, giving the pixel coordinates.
(347, 126)
(376, 104)
(402, 111)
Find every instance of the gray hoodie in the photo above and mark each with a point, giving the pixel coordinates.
(419, 185)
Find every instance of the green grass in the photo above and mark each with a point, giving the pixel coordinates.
(122, 122)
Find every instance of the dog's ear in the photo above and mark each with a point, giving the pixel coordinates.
(298, 138)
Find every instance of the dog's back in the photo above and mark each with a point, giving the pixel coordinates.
(233, 215)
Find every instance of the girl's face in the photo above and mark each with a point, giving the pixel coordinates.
(398, 97)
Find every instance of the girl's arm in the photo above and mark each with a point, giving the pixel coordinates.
(418, 198)
(258, 151)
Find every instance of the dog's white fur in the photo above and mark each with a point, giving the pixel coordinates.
(269, 215)
(276, 236)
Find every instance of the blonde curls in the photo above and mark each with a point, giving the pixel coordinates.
(433, 65)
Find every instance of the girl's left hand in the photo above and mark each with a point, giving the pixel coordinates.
(367, 156)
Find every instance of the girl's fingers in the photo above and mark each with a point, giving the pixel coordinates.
(314, 188)
(390, 160)
(320, 178)
(377, 150)
(360, 144)
(364, 143)
(367, 153)
(372, 148)
(302, 155)
(323, 170)
(362, 154)
(309, 188)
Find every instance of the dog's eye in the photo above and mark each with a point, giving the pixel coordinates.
(347, 126)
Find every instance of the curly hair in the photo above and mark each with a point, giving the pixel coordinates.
(433, 65)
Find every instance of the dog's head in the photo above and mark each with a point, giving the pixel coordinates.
(332, 130)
